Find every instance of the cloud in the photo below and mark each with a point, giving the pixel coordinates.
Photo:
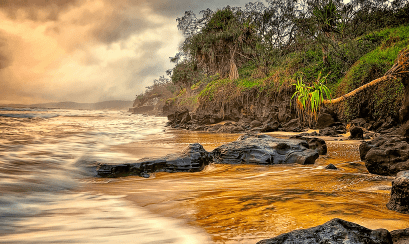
(87, 50)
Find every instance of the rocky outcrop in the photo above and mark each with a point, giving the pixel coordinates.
(317, 144)
(357, 133)
(178, 118)
(192, 159)
(324, 120)
(334, 130)
(399, 200)
(400, 236)
(385, 155)
(266, 150)
(335, 231)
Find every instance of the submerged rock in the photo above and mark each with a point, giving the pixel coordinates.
(192, 159)
(263, 149)
(335, 231)
(331, 166)
(385, 155)
(399, 200)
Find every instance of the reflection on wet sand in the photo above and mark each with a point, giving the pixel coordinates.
(247, 203)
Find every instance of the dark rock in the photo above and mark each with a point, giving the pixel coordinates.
(179, 117)
(360, 122)
(399, 200)
(331, 166)
(293, 125)
(214, 128)
(335, 231)
(385, 155)
(192, 159)
(317, 144)
(404, 130)
(255, 123)
(400, 236)
(329, 131)
(230, 129)
(357, 133)
(334, 130)
(263, 149)
(389, 123)
(270, 127)
(324, 120)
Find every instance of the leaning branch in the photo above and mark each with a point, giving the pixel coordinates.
(399, 69)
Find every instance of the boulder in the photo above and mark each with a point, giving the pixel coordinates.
(399, 200)
(263, 149)
(270, 127)
(335, 231)
(334, 130)
(400, 236)
(324, 120)
(385, 155)
(317, 144)
(360, 122)
(293, 125)
(357, 133)
(255, 123)
(192, 159)
(179, 117)
(331, 166)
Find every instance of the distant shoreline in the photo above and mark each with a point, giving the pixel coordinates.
(105, 105)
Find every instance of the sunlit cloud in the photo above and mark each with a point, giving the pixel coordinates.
(87, 51)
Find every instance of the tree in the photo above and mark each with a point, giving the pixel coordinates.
(223, 41)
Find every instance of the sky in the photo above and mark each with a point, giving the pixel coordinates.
(88, 50)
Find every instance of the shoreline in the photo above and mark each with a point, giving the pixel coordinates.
(191, 197)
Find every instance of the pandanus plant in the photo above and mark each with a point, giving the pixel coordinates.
(310, 98)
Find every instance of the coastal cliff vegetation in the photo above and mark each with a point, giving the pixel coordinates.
(238, 62)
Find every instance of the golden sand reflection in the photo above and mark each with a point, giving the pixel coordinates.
(247, 203)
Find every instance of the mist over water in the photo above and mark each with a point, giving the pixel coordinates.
(47, 154)
(49, 192)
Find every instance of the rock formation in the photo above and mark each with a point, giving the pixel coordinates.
(263, 149)
(399, 200)
(385, 155)
(192, 159)
(335, 231)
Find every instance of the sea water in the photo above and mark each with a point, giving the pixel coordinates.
(47, 155)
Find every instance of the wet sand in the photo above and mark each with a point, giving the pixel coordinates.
(247, 203)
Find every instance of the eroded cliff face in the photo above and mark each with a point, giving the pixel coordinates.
(249, 105)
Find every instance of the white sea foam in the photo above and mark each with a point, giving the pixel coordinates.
(41, 164)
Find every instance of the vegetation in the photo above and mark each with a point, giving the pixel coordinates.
(310, 98)
(263, 48)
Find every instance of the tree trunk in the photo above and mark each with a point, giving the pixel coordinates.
(233, 74)
(399, 70)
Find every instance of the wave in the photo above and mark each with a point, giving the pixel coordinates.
(21, 109)
(30, 116)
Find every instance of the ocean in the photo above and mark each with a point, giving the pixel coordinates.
(46, 158)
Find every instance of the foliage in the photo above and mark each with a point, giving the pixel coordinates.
(162, 88)
(310, 98)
